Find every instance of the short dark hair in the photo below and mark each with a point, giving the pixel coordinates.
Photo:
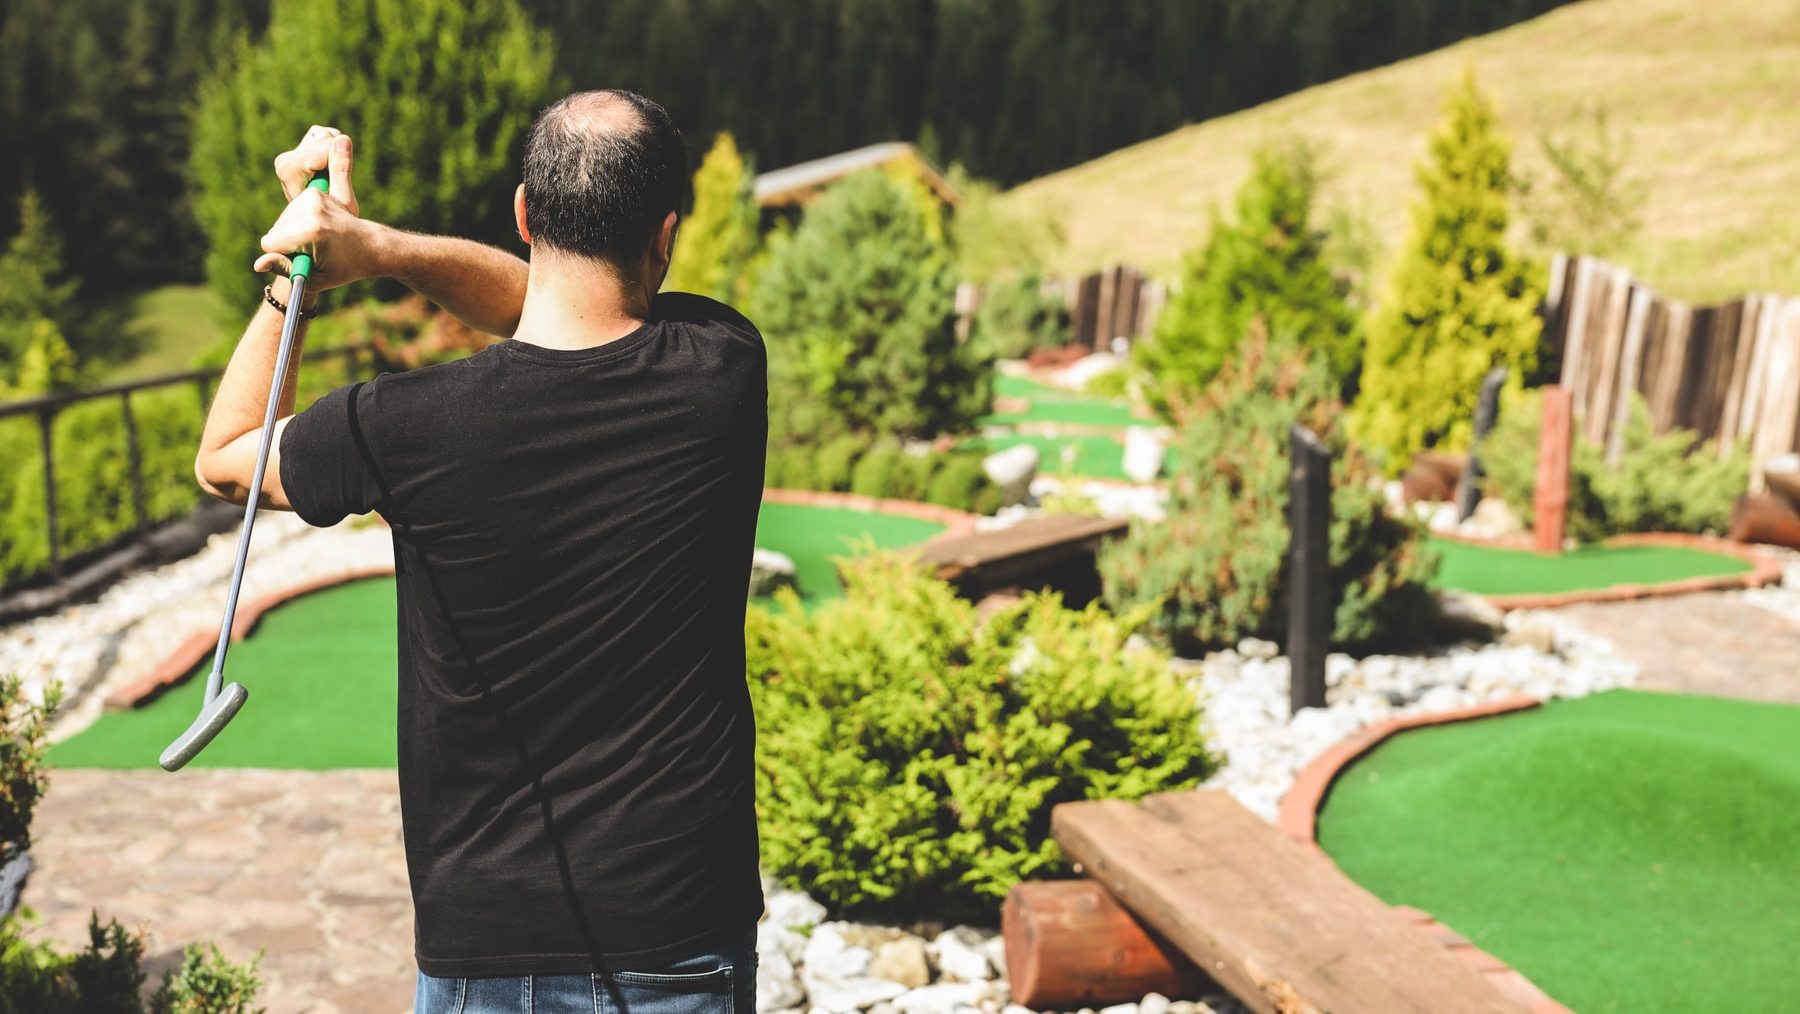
(602, 171)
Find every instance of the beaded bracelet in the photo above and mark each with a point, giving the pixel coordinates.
(269, 298)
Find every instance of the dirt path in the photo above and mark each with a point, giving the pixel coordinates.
(1712, 643)
(305, 866)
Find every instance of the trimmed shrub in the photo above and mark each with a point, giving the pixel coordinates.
(1269, 264)
(1015, 317)
(912, 751)
(24, 736)
(859, 304)
(1668, 483)
(1460, 301)
(1216, 570)
(835, 461)
(876, 472)
(962, 483)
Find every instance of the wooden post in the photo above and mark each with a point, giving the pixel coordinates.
(1309, 586)
(1550, 502)
(1487, 408)
(1070, 944)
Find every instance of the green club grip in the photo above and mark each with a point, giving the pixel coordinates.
(302, 261)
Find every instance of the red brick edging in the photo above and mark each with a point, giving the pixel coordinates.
(1764, 570)
(197, 646)
(1299, 817)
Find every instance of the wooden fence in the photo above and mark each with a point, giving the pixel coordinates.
(1729, 372)
(1119, 302)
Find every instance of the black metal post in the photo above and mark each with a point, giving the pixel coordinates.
(1309, 548)
(1487, 409)
(137, 463)
(46, 419)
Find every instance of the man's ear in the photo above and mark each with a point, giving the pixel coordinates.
(665, 238)
(519, 214)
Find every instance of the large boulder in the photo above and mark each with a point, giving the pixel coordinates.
(1143, 454)
(770, 571)
(1012, 470)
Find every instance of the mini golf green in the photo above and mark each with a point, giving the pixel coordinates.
(1487, 570)
(1056, 405)
(320, 669)
(1627, 851)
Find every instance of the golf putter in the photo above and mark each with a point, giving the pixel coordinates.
(224, 700)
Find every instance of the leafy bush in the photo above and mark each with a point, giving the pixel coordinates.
(1015, 317)
(1668, 483)
(1269, 264)
(1216, 569)
(1460, 301)
(1109, 384)
(93, 475)
(834, 462)
(436, 151)
(105, 977)
(874, 472)
(859, 304)
(911, 752)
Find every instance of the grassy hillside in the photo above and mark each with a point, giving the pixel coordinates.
(176, 324)
(1710, 95)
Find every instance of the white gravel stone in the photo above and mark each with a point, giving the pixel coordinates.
(769, 571)
(942, 997)
(1012, 470)
(777, 984)
(957, 954)
(1153, 1003)
(835, 969)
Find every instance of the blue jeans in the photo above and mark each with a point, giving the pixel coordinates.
(721, 981)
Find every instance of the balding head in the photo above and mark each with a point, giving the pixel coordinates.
(603, 169)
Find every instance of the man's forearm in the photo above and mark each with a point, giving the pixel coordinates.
(226, 459)
(483, 286)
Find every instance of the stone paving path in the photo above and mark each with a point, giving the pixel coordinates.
(1708, 643)
(305, 866)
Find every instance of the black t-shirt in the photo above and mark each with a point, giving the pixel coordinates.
(572, 543)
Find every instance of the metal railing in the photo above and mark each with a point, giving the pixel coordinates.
(46, 408)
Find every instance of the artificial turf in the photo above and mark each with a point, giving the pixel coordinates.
(1054, 405)
(814, 537)
(1627, 851)
(320, 669)
(1486, 570)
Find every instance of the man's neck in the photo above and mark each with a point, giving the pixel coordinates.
(574, 303)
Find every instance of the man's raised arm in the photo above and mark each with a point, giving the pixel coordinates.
(482, 286)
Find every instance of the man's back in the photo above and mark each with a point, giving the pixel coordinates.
(572, 539)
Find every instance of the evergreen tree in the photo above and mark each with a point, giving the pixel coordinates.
(437, 93)
(1271, 264)
(719, 239)
(858, 307)
(37, 304)
(1460, 301)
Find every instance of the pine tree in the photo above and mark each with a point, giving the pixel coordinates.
(718, 242)
(1271, 264)
(1460, 301)
(37, 304)
(858, 307)
(437, 93)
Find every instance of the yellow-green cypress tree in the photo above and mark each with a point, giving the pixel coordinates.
(1460, 301)
(719, 240)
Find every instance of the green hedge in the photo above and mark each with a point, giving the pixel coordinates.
(1668, 483)
(93, 470)
(911, 751)
(886, 470)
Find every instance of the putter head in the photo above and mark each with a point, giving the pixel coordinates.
(213, 717)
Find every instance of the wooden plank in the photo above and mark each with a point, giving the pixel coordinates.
(1601, 396)
(1631, 359)
(1575, 328)
(1274, 922)
(1011, 555)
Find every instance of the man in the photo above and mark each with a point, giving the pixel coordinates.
(573, 512)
